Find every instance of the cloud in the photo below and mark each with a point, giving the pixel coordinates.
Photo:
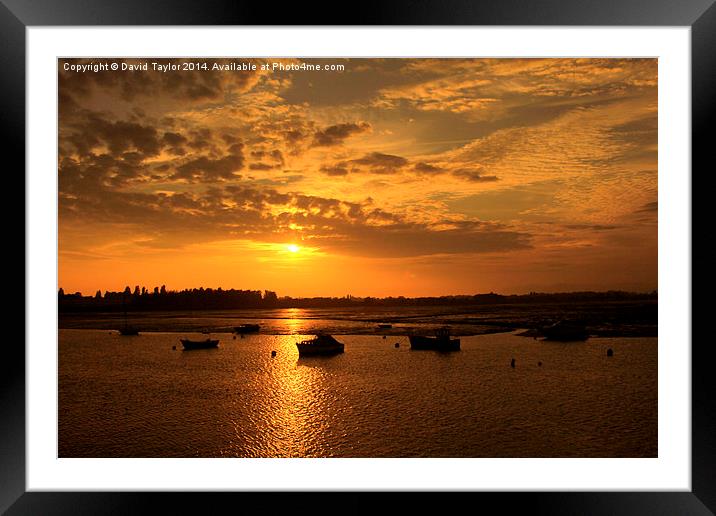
(427, 168)
(337, 134)
(176, 83)
(245, 211)
(339, 169)
(205, 169)
(475, 175)
(379, 163)
(591, 227)
(649, 207)
(373, 163)
(117, 136)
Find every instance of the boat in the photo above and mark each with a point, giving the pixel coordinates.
(128, 331)
(441, 341)
(319, 345)
(565, 331)
(385, 326)
(199, 344)
(246, 328)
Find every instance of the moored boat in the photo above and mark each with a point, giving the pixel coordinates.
(319, 345)
(441, 342)
(199, 344)
(565, 331)
(246, 328)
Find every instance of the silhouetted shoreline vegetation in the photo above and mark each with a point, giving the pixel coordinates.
(160, 299)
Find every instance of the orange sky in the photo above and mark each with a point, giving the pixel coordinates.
(393, 177)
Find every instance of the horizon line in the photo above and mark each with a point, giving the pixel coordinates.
(148, 291)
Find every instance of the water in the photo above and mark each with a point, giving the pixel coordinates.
(136, 397)
(605, 318)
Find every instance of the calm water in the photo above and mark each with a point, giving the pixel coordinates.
(136, 397)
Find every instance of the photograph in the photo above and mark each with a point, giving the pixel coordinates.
(394, 257)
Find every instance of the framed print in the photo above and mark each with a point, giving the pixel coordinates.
(444, 250)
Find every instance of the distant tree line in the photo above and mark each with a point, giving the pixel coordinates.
(141, 299)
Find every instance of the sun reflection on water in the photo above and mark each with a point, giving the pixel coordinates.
(293, 318)
(293, 416)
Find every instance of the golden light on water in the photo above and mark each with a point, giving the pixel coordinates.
(293, 319)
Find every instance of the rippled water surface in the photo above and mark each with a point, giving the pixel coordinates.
(137, 397)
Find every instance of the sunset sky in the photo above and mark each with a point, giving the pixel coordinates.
(393, 177)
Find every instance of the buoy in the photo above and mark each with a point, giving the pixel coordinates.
(234, 337)
(610, 352)
(273, 353)
(397, 344)
(384, 337)
(174, 348)
(512, 364)
(539, 364)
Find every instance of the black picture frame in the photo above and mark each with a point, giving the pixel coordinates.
(700, 15)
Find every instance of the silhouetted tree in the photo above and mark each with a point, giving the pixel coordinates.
(98, 295)
(270, 298)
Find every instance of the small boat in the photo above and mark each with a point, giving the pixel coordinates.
(319, 345)
(565, 331)
(385, 326)
(199, 344)
(246, 328)
(441, 341)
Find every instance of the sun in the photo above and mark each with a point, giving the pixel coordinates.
(293, 248)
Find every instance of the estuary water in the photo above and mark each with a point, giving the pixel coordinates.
(139, 397)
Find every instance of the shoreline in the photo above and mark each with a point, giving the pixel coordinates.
(397, 333)
(604, 320)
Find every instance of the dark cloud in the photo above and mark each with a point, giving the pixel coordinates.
(267, 160)
(261, 166)
(176, 83)
(205, 169)
(591, 227)
(475, 175)
(294, 136)
(649, 207)
(409, 240)
(381, 163)
(175, 142)
(94, 131)
(337, 134)
(339, 169)
(373, 163)
(427, 168)
(173, 139)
